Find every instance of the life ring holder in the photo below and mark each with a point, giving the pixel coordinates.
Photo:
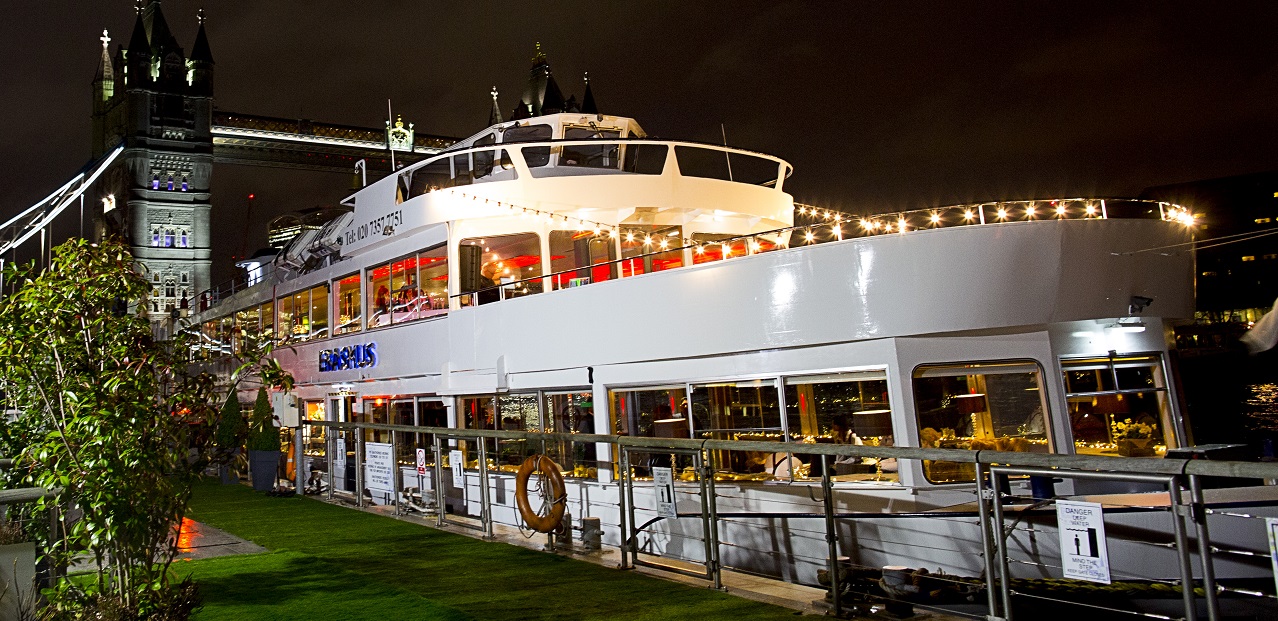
(552, 489)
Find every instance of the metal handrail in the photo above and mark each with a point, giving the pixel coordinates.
(1236, 469)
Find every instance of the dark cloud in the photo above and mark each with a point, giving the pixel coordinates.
(879, 105)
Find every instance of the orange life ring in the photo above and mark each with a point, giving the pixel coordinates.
(552, 489)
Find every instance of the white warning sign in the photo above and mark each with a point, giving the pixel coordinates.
(457, 460)
(663, 489)
(1082, 529)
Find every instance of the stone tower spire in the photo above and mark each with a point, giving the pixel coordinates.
(201, 62)
(494, 116)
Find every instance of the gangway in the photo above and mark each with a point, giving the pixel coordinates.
(20, 228)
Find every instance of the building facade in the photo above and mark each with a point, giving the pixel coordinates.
(158, 102)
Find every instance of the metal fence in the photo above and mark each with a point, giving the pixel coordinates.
(1002, 516)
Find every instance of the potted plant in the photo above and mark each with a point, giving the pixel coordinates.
(263, 444)
(1134, 439)
(17, 572)
(228, 439)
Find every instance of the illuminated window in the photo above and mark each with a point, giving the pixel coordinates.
(1209, 273)
(1269, 257)
(1118, 405)
(1248, 257)
(1264, 220)
(979, 406)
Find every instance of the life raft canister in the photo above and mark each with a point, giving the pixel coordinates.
(552, 490)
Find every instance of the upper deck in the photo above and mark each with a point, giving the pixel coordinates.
(584, 172)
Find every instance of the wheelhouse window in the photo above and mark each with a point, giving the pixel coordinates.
(979, 406)
(1118, 405)
(573, 252)
(646, 249)
(346, 299)
(483, 160)
(503, 267)
(645, 159)
(842, 408)
(591, 156)
(534, 157)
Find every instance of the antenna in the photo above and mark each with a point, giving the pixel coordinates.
(726, 155)
(390, 118)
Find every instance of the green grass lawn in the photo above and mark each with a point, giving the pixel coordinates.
(329, 562)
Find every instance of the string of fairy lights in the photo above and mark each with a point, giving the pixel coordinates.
(839, 225)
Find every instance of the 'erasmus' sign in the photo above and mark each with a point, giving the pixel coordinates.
(362, 356)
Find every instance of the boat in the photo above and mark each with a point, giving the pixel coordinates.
(566, 272)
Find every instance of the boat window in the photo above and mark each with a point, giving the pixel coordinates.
(436, 175)
(591, 156)
(484, 159)
(349, 305)
(503, 265)
(284, 325)
(226, 334)
(461, 169)
(728, 166)
(401, 413)
(409, 288)
(245, 326)
(377, 412)
(647, 248)
(979, 406)
(1118, 405)
(652, 412)
(432, 276)
(842, 408)
(319, 313)
(572, 412)
(748, 410)
(645, 159)
(534, 157)
(266, 314)
(578, 250)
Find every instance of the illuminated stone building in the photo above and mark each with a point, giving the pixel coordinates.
(158, 102)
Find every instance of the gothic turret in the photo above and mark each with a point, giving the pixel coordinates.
(104, 80)
(201, 62)
(138, 57)
(588, 100)
(494, 116)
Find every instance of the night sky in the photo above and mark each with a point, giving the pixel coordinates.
(880, 106)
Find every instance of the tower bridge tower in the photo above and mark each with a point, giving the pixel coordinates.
(159, 103)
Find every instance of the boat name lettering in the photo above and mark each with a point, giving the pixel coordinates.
(384, 225)
(363, 356)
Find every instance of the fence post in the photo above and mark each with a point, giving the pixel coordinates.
(485, 510)
(1004, 585)
(440, 497)
(987, 542)
(1182, 549)
(359, 466)
(623, 492)
(713, 505)
(1199, 513)
(831, 536)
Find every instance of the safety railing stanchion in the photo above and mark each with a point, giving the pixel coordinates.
(714, 527)
(299, 460)
(359, 466)
(987, 540)
(831, 536)
(1182, 548)
(1004, 584)
(623, 496)
(439, 482)
(703, 472)
(395, 470)
(485, 510)
(1198, 511)
(329, 443)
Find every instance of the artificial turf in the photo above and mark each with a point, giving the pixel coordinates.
(331, 562)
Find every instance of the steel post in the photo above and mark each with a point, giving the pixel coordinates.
(623, 496)
(714, 529)
(1199, 513)
(359, 467)
(1182, 549)
(1004, 584)
(987, 540)
(831, 536)
(395, 487)
(485, 510)
(329, 446)
(439, 482)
